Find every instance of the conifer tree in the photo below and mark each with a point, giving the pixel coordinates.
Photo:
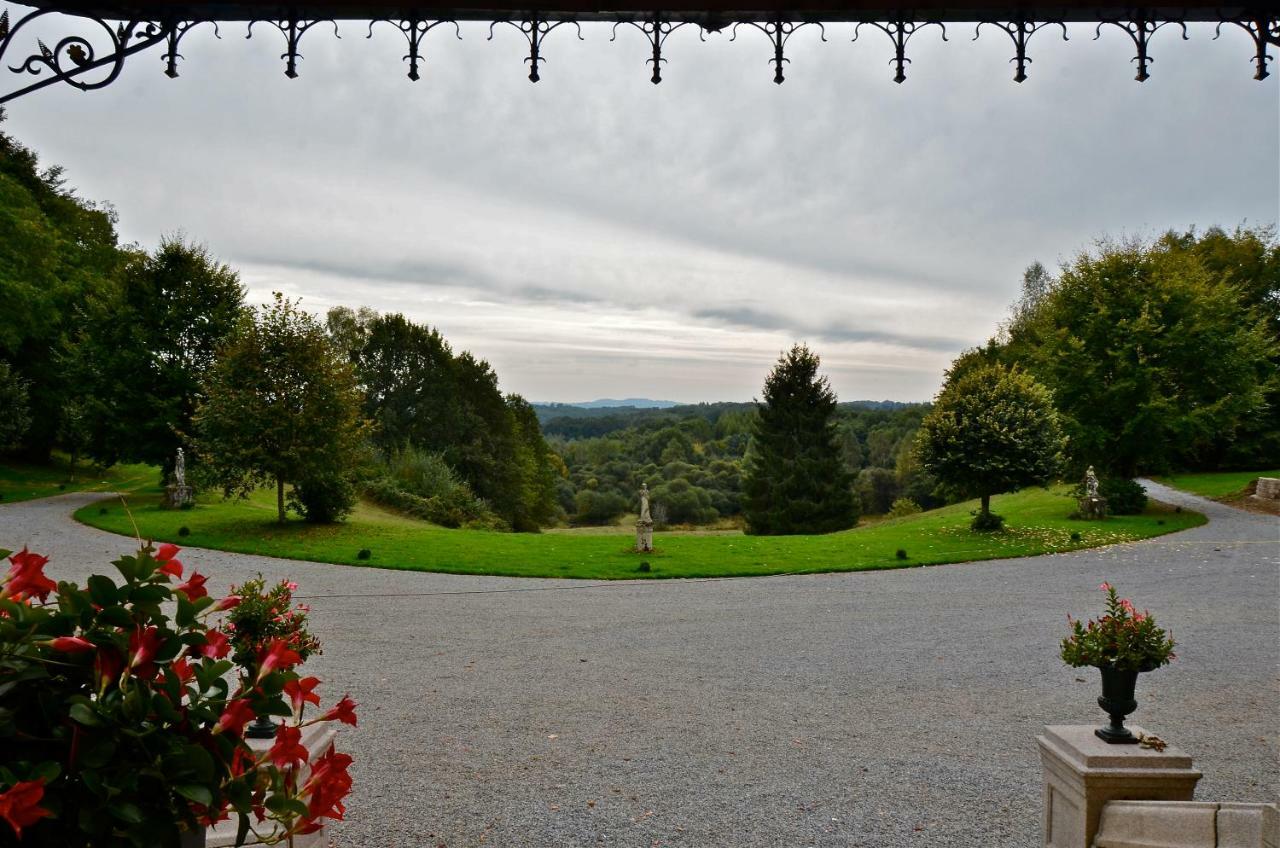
(796, 479)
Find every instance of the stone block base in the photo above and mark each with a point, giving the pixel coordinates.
(1169, 824)
(1093, 509)
(1268, 488)
(1082, 774)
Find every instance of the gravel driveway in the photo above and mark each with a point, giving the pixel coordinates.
(867, 709)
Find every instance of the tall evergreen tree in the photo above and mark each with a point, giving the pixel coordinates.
(796, 479)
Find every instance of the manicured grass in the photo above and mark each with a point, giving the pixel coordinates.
(23, 482)
(1215, 484)
(1037, 519)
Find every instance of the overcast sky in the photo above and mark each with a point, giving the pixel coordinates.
(596, 235)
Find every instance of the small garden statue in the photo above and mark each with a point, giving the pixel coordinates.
(1092, 506)
(644, 526)
(1120, 644)
(178, 495)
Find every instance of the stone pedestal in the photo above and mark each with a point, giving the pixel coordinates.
(1268, 488)
(1093, 508)
(178, 497)
(316, 739)
(1174, 824)
(1082, 773)
(644, 536)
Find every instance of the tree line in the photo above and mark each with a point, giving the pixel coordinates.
(117, 354)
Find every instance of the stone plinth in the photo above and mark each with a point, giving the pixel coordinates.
(1173, 824)
(1082, 773)
(1268, 488)
(316, 739)
(1093, 507)
(177, 497)
(644, 536)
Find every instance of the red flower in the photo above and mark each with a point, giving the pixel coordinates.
(181, 670)
(194, 588)
(301, 692)
(167, 557)
(71, 644)
(1106, 587)
(288, 750)
(344, 711)
(276, 655)
(107, 665)
(328, 785)
(143, 645)
(26, 577)
(18, 805)
(234, 717)
(216, 645)
(229, 602)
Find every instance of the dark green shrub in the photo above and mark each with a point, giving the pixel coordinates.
(599, 507)
(1075, 536)
(987, 522)
(184, 530)
(901, 554)
(458, 507)
(324, 500)
(102, 510)
(904, 506)
(62, 487)
(365, 553)
(644, 566)
(1124, 497)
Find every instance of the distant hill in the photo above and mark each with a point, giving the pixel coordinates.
(584, 420)
(615, 403)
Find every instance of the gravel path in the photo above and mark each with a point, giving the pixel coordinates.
(872, 709)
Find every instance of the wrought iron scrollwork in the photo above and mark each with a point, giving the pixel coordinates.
(1140, 28)
(900, 32)
(535, 29)
(75, 56)
(292, 29)
(414, 30)
(1265, 32)
(1020, 31)
(174, 38)
(779, 32)
(656, 28)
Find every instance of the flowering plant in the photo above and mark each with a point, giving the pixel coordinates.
(1123, 639)
(118, 725)
(265, 615)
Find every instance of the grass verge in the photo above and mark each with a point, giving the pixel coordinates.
(24, 482)
(1037, 525)
(1215, 484)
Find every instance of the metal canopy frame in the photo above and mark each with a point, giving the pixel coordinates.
(122, 29)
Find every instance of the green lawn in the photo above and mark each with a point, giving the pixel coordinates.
(21, 482)
(1037, 518)
(1215, 484)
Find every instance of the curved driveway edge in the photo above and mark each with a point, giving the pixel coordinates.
(869, 708)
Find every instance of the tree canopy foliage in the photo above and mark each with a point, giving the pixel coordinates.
(992, 429)
(796, 480)
(282, 406)
(1158, 354)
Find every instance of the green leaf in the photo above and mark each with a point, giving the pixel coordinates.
(126, 811)
(103, 590)
(85, 715)
(195, 792)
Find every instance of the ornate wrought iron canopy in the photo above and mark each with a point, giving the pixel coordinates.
(104, 34)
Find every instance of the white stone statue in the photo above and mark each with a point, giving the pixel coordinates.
(180, 470)
(644, 503)
(1091, 483)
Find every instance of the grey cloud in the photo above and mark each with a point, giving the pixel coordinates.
(755, 319)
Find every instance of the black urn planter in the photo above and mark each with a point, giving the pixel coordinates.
(262, 727)
(1118, 701)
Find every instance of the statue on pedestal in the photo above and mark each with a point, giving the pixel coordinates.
(644, 526)
(178, 495)
(1092, 506)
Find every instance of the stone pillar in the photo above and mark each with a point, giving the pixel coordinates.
(1082, 773)
(644, 536)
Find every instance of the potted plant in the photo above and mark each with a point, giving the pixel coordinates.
(1121, 644)
(118, 724)
(262, 617)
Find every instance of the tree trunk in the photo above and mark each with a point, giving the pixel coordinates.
(280, 499)
(986, 505)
